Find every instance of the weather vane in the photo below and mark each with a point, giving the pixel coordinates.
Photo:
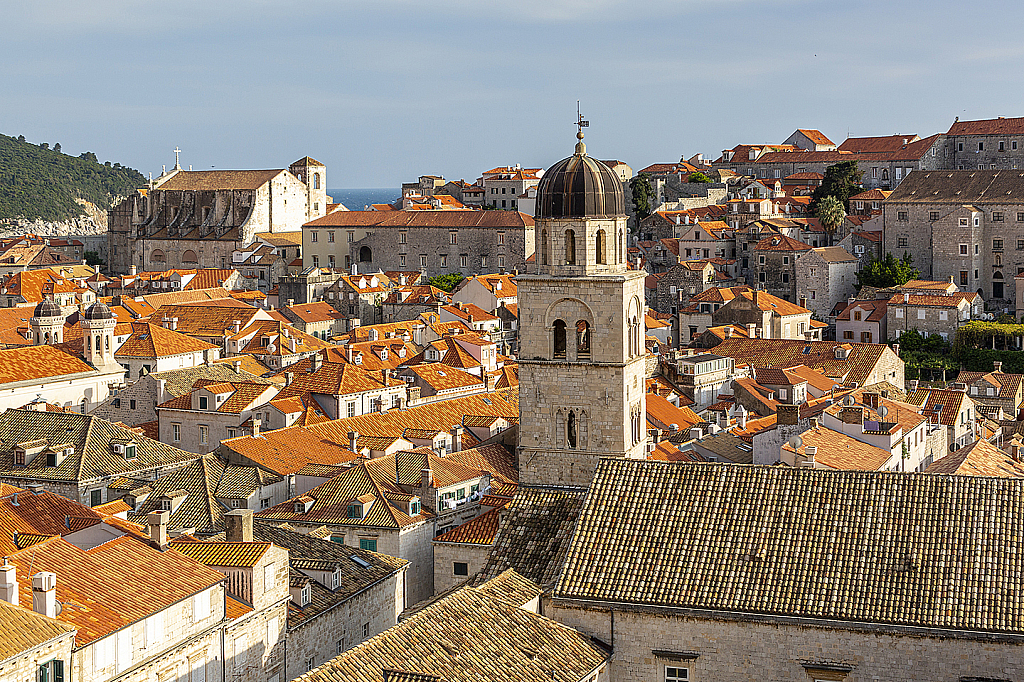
(580, 123)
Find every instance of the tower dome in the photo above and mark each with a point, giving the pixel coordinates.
(580, 187)
(98, 311)
(47, 308)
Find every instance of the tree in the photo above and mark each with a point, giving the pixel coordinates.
(446, 282)
(831, 214)
(92, 258)
(697, 176)
(21, 138)
(888, 272)
(642, 195)
(44, 145)
(841, 181)
(89, 156)
(56, 147)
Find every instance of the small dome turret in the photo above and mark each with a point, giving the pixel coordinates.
(98, 311)
(580, 187)
(47, 308)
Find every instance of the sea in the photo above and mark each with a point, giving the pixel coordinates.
(358, 199)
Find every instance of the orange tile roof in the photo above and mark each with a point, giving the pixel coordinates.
(980, 458)
(781, 243)
(876, 310)
(946, 402)
(92, 584)
(35, 285)
(838, 451)
(34, 363)
(767, 302)
(154, 341)
(455, 219)
(208, 320)
(219, 179)
(332, 378)
(819, 355)
(934, 300)
(285, 451)
(989, 126)
(478, 531)
(233, 554)
(321, 311)
(442, 376)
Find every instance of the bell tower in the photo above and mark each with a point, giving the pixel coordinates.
(98, 324)
(314, 175)
(47, 323)
(581, 363)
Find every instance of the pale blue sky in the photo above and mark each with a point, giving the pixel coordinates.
(384, 91)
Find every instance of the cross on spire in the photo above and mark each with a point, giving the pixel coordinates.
(177, 166)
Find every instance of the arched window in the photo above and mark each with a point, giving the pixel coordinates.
(190, 258)
(316, 181)
(559, 339)
(544, 248)
(99, 345)
(602, 245)
(885, 175)
(582, 339)
(365, 255)
(107, 343)
(998, 262)
(46, 338)
(619, 245)
(570, 247)
(570, 431)
(157, 256)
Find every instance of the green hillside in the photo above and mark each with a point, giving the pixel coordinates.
(39, 182)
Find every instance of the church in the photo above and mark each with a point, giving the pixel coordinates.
(582, 364)
(195, 219)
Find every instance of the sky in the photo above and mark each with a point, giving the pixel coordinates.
(384, 91)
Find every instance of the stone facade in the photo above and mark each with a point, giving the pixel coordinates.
(582, 370)
(54, 654)
(449, 559)
(774, 271)
(929, 315)
(824, 277)
(738, 647)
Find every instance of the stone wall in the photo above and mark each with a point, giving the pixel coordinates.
(732, 648)
(254, 646)
(777, 274)
(446, 554)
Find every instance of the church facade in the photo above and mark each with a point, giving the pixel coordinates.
(195, 219)
(581, 360)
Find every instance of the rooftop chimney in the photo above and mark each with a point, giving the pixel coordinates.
(456, 437)
(425, 476)
(44, 594)
(9, 583)
(288, 376)
(158, 528)
(353, 440)
(256, 424)
(750, 330)
(237, 365)
(238, 525)
(728, 331)
(997, 366)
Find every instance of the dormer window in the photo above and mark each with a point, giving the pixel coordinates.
(129, 452)
(358, 358)
(204, 402)
(335, 578)
(414, 507)
(165, 505)
(384, 354)
(304, 595)
(355, 511)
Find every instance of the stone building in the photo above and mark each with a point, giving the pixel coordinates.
(678, 618)
(968, 225)
(681, 283)
(863, 322)
(953, 409)
(995, 143)
(865, 245)
(433, 242)
(931, 312)
(199, 218)
(504, 185)
(767, 317)
(582, 361)
(32, 646)
(824, 277)
(774, 265)
(995, 390)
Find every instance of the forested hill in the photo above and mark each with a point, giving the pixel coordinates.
(39, 182)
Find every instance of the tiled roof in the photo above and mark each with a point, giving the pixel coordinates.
(871, 195)
(463, 311)
(798, 542)
(208, 320)
(234, 607)
(200, 508)
(90, 437)
(285, 451)
(320, 311)
(468, 636)
(478, 531)
(934, 300)
(781, 243)
(663, 412)
(233, 554)
(815, 136)
(180, 381)
(241, 396)
(332, 378)
(22, 630)
(820, 355)
(768, 302)
(441, 376)
(511, 587)
(980, 458)
(838, 451)
(876, 145)
(42, 514)
(36, 363)
(834, 254)
(1008, 384)
(154, 341)
(959, 187)
(35, 285)
(219, 179)
(988, 126)
(875, 310)
(533, 537)
(92, 584)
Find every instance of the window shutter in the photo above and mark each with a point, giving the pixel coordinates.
(58, 670)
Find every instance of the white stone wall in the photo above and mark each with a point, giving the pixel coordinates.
(445, 556)
(24, 667)
(255, 645)
(743, 650)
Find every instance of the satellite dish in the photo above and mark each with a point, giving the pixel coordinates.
(271, 348)
(848, 400)
(795, 442)
(882, 411)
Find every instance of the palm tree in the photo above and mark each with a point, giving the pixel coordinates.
(831, 214)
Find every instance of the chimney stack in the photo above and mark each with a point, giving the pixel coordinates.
(256, 424)
(288, 377)
(9, 583)
(425, 476)
(237, 365)
(456, 437)
(750, 330)
(997, 366)
(353, 441)
(158, 528)
(728, 331)
(44, 594)
(238, 525)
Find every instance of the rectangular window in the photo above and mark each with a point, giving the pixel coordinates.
(203, 402)
(204, 434)
(339, 646)
(316, 261)
(761, 277)
(501, 261)
(351, 235)
(997, 244)
(453, 237)
(997, 216)
(330, 237)
(901, 241)
(460, 568)
(673, 674)
(265, 503)
(463, 261)
(95, 497)
(444, 261)
(312, 237)
(309, 664)
(200, 606)
(366, 630)
(963, 278)
(902, 216)
(848, 334)
(963, 250)
(369, 544)
(401, 260)
(899, 312)
(176, 432)
(760, 260)
(959, 146)
(785, 260)
(423, 261)
(981, 146)
(402, 238)
(943, 315)
(785, 278)
(920, 313)
(131, 404)
(501, 239)
(351, 408)
(933, 215)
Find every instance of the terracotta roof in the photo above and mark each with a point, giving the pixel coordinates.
(838, 451)
(980, 458)
(22, 630)
(219, 179)
(92, 584)
(959, 187)
(231, 554)
(154, 341)
(495, 641)
(930, 285)
(36, 363)
(946, 402)
(478, 531)
(798, 540)
(875, 310)
(989, 126)
(285, 451)
(876, 145)
(819, 355)
(934, 301)
(835, 254)
(209, 320)
(815, 136)
(781, 243)
(805, 176)
(871, 195)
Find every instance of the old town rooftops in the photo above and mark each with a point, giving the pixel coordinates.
(219, 179)
(798, 540)
(446, 219)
